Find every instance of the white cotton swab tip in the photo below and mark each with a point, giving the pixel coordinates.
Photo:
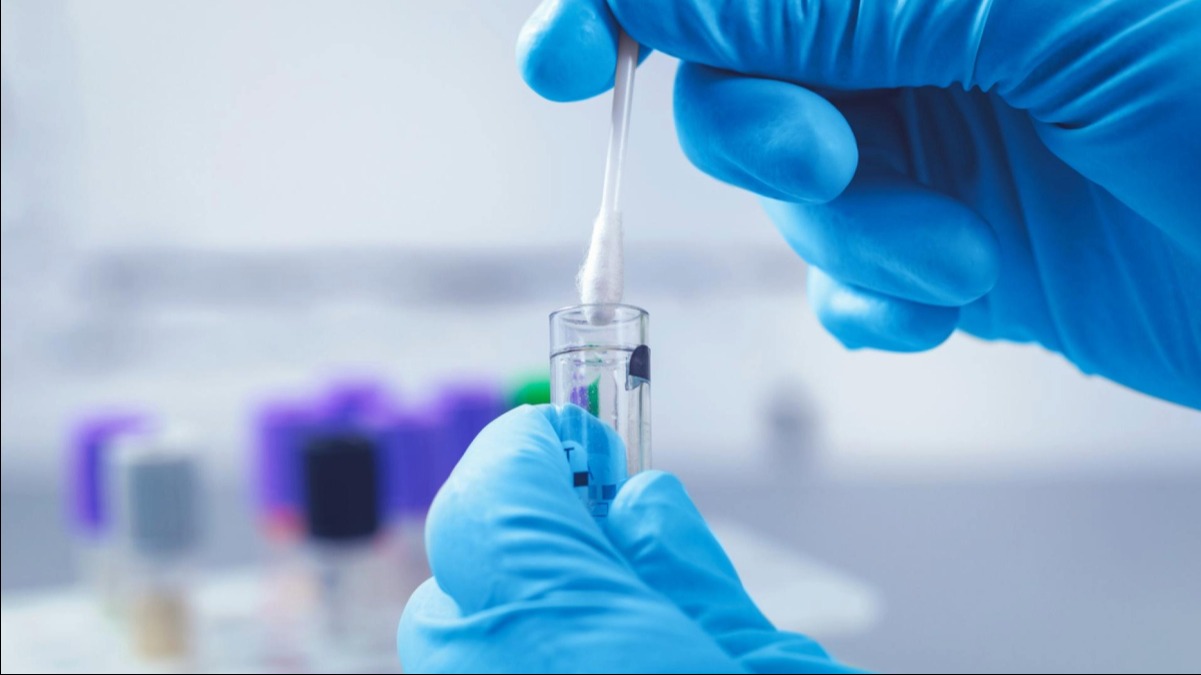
(602, 277)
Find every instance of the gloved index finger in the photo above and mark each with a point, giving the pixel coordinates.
(508, 527)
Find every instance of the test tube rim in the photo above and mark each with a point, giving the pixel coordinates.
(623, 315)
(637, 312)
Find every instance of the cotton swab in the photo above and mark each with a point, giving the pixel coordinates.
(600, 280)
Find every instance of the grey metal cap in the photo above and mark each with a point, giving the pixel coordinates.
(156, 480)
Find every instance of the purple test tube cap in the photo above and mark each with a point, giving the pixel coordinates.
(351, 402)
(281, 428)
(91, 440)
(467, 407)
(414, 439)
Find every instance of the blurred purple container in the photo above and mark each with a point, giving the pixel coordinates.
(365, 407)
(354, 402)
(417, 446)
(91, 440)
(413, 439)
(281, 429)
(467, 407)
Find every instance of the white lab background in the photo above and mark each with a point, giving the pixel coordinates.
(205, 203)
(270, 129)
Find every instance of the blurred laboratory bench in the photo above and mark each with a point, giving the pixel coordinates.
(1096, 574)
(1082, 574)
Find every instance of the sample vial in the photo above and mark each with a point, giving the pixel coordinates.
(600, 365)
(340, 477)
(156, 481)
(289, 597)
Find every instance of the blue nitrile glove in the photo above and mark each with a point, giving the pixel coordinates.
(525, 580)
(1019, 169)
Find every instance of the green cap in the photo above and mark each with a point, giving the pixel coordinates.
(533, 390)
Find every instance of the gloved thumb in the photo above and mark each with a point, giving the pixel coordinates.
(654, 524)
(507, 526)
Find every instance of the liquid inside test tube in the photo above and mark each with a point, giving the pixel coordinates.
(600, 372)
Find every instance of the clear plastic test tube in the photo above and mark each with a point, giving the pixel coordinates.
(602, 367)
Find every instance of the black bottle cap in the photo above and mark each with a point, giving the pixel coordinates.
(341, 492)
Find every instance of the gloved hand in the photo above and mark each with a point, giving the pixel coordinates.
(525, 580)
(1018, 169)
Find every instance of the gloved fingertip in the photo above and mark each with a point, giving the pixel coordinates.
(567, 49)
(860, 318)
(428, 596)
(651, 505)
(893, 236)
(656, 527)
(651, 489)
(978, 254)
(428, 608)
